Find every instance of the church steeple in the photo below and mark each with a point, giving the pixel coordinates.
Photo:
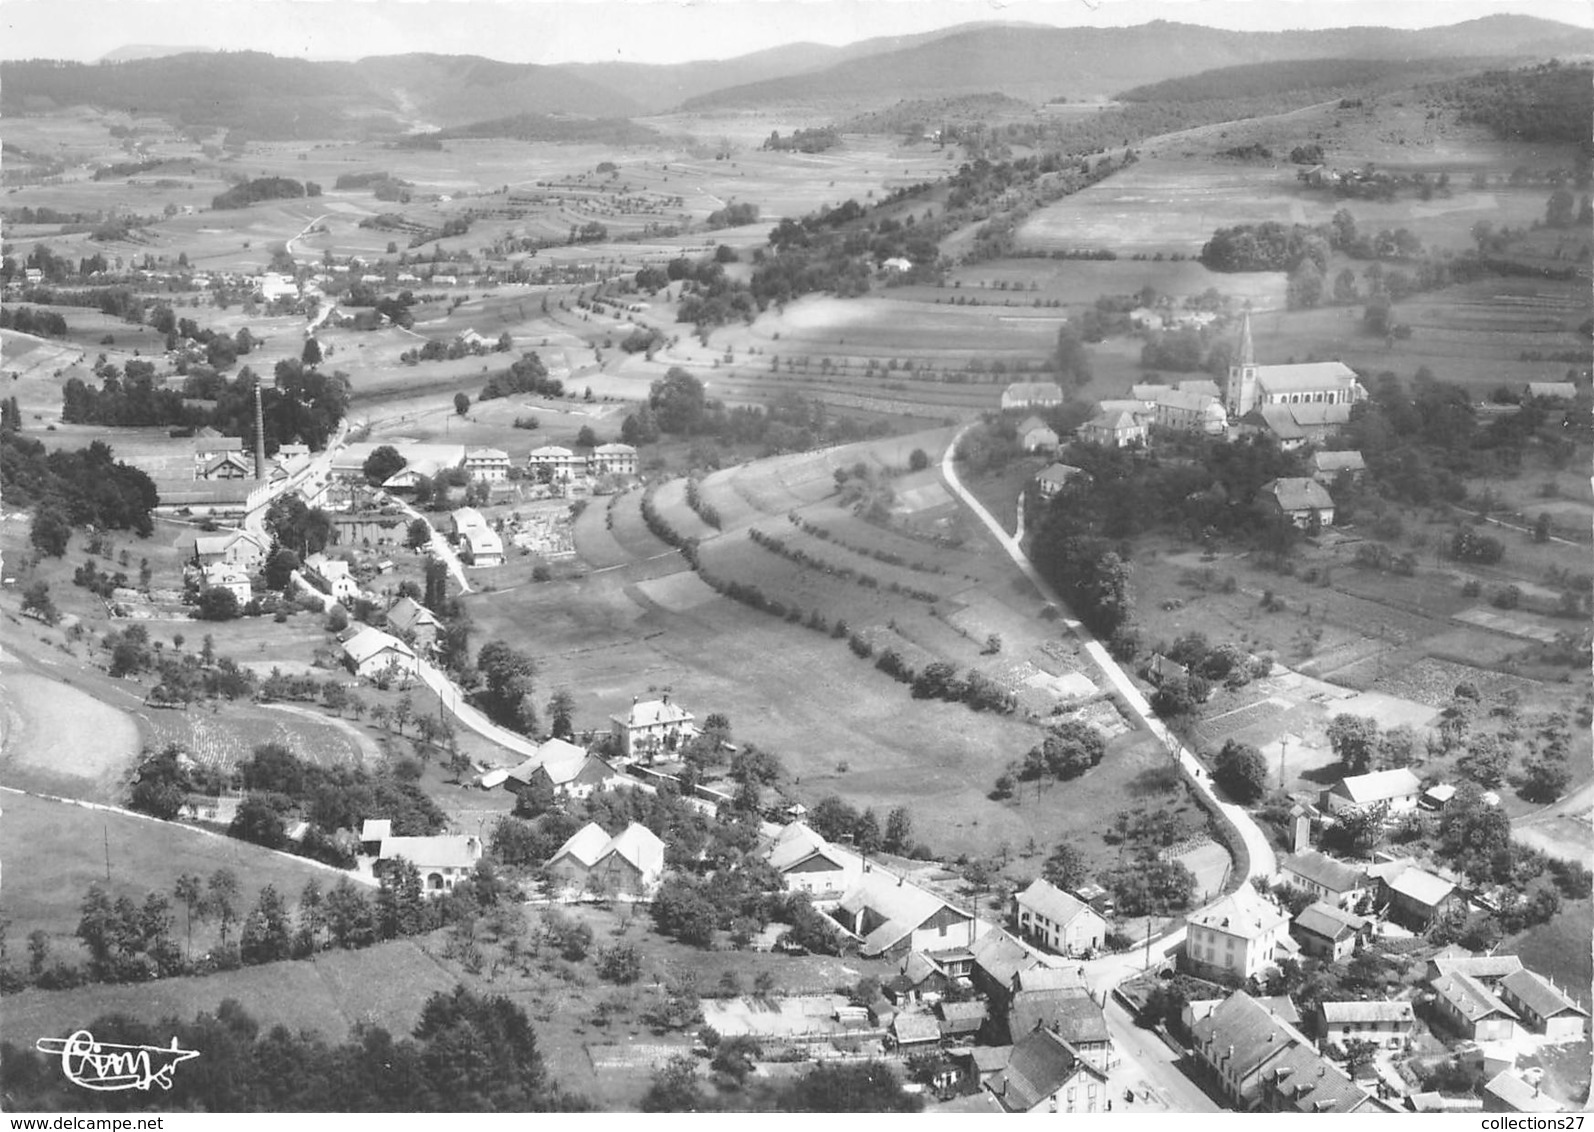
(1240, 396)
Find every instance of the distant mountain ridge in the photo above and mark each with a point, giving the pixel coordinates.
(1038, 64)
(282, 98)
(130, 51)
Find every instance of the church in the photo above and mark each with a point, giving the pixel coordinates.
(1252, 387)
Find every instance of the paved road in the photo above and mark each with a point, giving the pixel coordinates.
(1262, 861)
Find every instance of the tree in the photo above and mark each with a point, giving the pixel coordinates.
(221, 900)
(561, 712)
(258, 821)
(51, 530)
(218, 603)
(382, 463)
(866, 835)
(461, 403)
(36, 600)
(1486, 761)
(1354, 739)
(1241, 771)
(1071, 748)
(403, 712)
(312, 352)
(190, 891)
(677, 401)
(1066, 867)
(899, 830)
(675, 1087)
(918, 460)
(279, 568)
(508, 676)
(586, 438)
(266, 935)
(1546, 775)
(1071, 357)
(161, 784)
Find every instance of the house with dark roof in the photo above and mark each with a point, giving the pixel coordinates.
(1260, 1062)
(1542, 1006)
(961, 1020)
(1045, 1074)
(1068, 1012)
(918, 975)
(1298, 499)
(411, 620)
(979, 1065)
(1326, 467)
(998, 959)
(1506, 1092)
(914, 1031)
(1385, 1024)
(1325, 877)
(1414, 896)
(1117, 429)
(1056, 920)
(1327, 931)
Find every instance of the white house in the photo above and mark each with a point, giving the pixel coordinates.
(490, 465)
(482, 544)
(613, 460)
(1058, 920)
(1117, 429)
(371, 651)
(631, 863)
(1032, 395)
(443, 861)
(560, 464)
(652, 726)
(234, 548)
(225, 576)
(1323, 876)
(1053, 477)
(1398, 788)
(808, 863)
(1240, 936)
(892, 916)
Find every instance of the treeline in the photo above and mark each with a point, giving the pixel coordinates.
(76, 487)
(677, 405)
(777, 545)
(526, 375)
(303, 405)
(1551, 102)
(384, 186)
(263, 188)
(26, 320)
(1318, 79)
(541, 127)
(733, 215)
(245, 1067)
(816, 139)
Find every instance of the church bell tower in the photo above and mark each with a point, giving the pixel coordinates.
(1240, 395)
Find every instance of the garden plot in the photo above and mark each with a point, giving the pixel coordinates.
(224, 739)
(806, 1016)
(545, 532)
(1516, 625)
(678, 593)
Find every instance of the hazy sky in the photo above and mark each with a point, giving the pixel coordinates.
(646, 31)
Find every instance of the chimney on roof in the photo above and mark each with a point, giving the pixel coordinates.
(666, 697)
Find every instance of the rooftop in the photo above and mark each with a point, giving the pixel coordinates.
(1332, 874)
(1380, 785)
(1305, 377)
(1520, 1096)
(1539, 995)
(1048, 900)
(1326, 920)
(1355, 1012)
(456, 851)
(1244, 913)
(369, 642)
(1299, 493)
(1039, 1065)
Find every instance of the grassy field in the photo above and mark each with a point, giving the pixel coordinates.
(66, 846)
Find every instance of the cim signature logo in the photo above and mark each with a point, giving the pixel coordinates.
(108, 1068)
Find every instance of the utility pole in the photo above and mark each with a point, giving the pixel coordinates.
(1148, 941)
(1284, 744)
(106, 830)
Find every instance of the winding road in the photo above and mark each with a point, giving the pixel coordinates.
(1262, 862)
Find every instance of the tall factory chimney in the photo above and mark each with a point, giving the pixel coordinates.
(260, 436)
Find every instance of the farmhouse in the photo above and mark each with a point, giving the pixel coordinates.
(612, 460)
(372, 833)
(487, 464)
(961, 1020)
(1036, 435)
(998, 959)
(1114, 430)
(576, 776)
(414, 622)
(1180, 411)
(1385, 1024)
(1260, 1062)
(482, 545)
(1467, 1004)
(371, 652)
(1300, 499)
(918, 975)
(892, 916)
(227, 466)
(1053, 477)
(1550, 391)
(1045, 1073)
(442, 861)
(1057, 920)
(1415, 896)
(559, 465)
(1238, 937)
(232, 548)
(808, 863)
(1326, 931)
(1251, 386)
(1398, 788)
(628, 864)
(652, 726)
(1031, 395)
(1324, 877)
(1542, 1006)
(1325, 467)
(225, 576)
(334, 575)
(1506, 1092)
(1069, 1012)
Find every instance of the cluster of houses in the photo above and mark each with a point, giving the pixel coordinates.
(555, 464)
